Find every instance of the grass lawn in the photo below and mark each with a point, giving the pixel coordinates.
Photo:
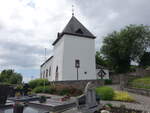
(141, 83)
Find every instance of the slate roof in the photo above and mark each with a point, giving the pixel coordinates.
(74, 27)
(47, 61)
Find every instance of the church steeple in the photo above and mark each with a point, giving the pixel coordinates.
(74, 27)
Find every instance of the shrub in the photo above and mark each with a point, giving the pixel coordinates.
(64, 91)
(123, 96)
(19, 87)
(38, 82)
(105, 93)
(42, 99)
(67, 90)
(30, 93)
(108, 81)
(46, 89)
(17, 94)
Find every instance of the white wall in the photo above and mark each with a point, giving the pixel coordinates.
(58, 59)
(45, 67)
(79, 48)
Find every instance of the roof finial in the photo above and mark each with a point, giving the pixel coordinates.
(72, 10)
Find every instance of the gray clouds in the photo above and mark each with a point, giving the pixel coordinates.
(105, 16)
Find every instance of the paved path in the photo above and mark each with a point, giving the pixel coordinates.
(128, 105)
(143, 102)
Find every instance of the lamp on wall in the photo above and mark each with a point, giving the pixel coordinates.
(77, 65)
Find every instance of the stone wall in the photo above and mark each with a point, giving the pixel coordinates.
(115, 78)
(124, 79)
(80, 84)
(145, 92)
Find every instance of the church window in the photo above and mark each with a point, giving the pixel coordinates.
(79, 31)
(56, 76)
(46, 73)
(49, 71)
(41, 74)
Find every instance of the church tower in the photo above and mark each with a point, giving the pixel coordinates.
(74, 53)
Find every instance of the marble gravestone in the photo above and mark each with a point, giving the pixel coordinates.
(87, 103)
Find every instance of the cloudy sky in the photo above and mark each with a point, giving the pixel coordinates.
(27, 27)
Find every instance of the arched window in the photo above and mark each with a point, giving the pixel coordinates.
(56, 76)
(41, 74)
(46, 73)
(49, 71)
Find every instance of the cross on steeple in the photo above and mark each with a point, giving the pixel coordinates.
(72, 10)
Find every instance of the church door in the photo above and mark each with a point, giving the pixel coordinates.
(56, 76)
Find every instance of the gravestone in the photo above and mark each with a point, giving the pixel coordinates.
(4, 92)
(88, 103)
(18, 107)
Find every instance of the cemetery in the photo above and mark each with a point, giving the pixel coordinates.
(79, 73)
(92, 100)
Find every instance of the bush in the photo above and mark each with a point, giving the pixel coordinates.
(105, 93)
(64, 92)
(67, 90)
(38, 82)
(123, 96)
(108, 81)
(19, 87)
(58, 90)
(42, 99)
(42, 89)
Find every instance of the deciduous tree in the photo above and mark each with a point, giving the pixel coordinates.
(125, 46)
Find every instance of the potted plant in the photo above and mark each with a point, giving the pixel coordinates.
(42, 99)
(18, 107)
(17, 95)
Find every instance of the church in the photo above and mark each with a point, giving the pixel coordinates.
(73, 55)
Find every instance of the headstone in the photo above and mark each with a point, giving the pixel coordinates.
(90, 95)
(18, 107)
(4, 92)
(87, 103)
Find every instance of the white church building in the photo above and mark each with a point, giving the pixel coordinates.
(73, 55)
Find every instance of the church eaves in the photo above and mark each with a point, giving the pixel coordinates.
(74, 27)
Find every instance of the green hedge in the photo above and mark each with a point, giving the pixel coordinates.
(105, 93)
(58, 90)
(42, 89)
(108, 81)
(38, 82)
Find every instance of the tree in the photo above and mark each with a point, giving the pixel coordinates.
(125, 46)
(10, 77)
(100, 60)
(145, 60)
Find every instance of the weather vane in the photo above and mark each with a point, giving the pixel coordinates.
(72, 10)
